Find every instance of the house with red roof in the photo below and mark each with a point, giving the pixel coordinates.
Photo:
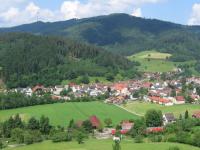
(155, 130)
(161, 101)
(179, 100)
(38, 88)
(95, 122)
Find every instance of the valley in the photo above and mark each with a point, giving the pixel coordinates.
(106, 82)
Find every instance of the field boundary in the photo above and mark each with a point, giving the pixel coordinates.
(134, 113)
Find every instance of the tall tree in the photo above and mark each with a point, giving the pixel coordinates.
(153, 118)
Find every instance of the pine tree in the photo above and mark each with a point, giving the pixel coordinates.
(186, 114)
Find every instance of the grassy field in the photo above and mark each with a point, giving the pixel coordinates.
(152, 61)
(152, 55)
(62, 113)
(142, 107)
(103, 145)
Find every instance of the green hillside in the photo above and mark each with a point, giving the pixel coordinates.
(61, 114)
(28, 60)
(103, 144)
(124, 34)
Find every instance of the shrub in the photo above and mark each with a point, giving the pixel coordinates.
(138, 139)
(31, 137)
(17, 135)
(174, 148)
(59, 137)
(196, 138)
(28, 138)
(155, 138)
(172, 139)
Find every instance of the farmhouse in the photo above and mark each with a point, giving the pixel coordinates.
(168, 118)
(179, 100)
(126, 126)
(95, 122)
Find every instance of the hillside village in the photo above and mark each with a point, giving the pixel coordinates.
(158, 91)
(163, 92)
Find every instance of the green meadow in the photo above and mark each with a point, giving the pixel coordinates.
(62, 113)
(103, 145)
(153, 61)
(142, 107)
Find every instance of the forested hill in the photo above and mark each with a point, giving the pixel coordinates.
(124, 34)
(29, 59)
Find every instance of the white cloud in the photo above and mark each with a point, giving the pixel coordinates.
(137, 12)
(195, 17)
(25, 11)
(10, 14)
(32, 9)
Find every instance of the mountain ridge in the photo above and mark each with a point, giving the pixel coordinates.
(124, 34)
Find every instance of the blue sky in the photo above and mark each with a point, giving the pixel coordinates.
(15, 12)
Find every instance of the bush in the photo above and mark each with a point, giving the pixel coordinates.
(59, 137)
(196, 139)
(172, 139)
(184, 137)
(17, 135)
(31, 137)
(155, 138)
(28, 138)
(138, 139)
(174, 148)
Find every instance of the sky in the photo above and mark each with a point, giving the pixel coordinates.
(16, 12)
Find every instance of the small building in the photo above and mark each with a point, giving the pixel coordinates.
(180, 100)
(154, 129)
(168, 118)
(127, 125)
(196, 115)
(38, 89)
(95, 122)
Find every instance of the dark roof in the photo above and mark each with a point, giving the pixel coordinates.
(170, 116)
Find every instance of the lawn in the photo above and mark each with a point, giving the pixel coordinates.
(142, 107)
(62, 113)
(103, 145)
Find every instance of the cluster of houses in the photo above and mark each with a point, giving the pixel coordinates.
(126, 126)
(161, 92)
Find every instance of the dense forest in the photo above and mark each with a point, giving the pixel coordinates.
(124, 34)
(27, 60)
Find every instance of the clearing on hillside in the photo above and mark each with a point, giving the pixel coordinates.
(142, 107)
(152, 61)
(152, 55)
(62, 113)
